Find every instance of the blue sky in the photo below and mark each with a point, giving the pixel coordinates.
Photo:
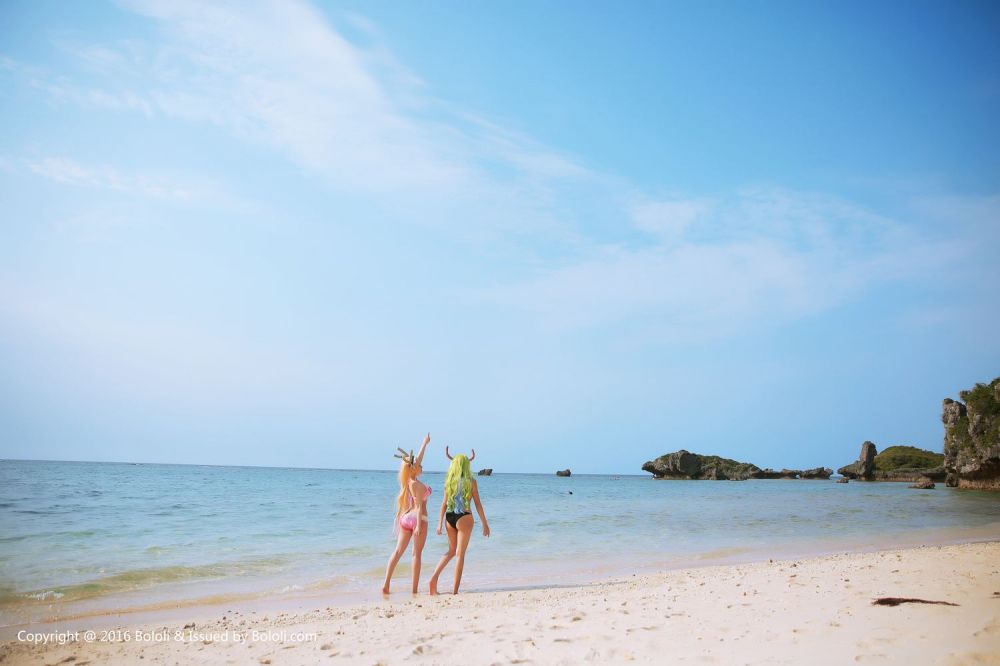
(568, 235)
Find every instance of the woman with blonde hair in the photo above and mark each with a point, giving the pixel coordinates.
(411, 513)
(460, 492)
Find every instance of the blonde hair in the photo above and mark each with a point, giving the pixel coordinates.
(407, 473)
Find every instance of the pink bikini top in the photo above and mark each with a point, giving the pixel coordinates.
(426, 495)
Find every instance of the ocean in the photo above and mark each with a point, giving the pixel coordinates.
(80, 538)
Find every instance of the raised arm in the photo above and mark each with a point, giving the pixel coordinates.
(423, 448)
(479, 508)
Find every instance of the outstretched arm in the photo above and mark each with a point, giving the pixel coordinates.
(479, 508)
(423, 448)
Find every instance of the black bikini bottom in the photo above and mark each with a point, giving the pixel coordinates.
(453, 517)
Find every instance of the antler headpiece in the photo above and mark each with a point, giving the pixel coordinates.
(408, 458)
(471, 458)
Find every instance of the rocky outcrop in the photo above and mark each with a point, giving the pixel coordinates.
(686, 465)
(897, 458)
(814, 473)
(896, 463)
(485, 472)
(843, 479)
(972, 437)
(769, 473)
(823, 473)
(908, 463)
(863, 467)
(923, 484)
(911, 475)
(564, 472)
(866, 460)
(678, 465)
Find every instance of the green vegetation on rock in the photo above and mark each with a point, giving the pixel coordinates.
(907, 457)
(983, 402)
(972, 437)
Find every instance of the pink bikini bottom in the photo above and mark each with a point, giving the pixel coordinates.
(409, 521)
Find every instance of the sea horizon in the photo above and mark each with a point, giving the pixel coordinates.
(330, 469)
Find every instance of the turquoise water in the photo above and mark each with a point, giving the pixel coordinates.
(101, 532)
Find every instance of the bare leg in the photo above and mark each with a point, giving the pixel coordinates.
(401, 541)
(465, 525)
(418, 549)
(446, 558)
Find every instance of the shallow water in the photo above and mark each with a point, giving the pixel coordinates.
(101, 535)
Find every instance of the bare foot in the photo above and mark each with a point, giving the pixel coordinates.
(385, 589)
(434, 587)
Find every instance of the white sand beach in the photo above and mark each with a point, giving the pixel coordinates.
(817, 611)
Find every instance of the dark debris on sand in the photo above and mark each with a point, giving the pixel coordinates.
(895, 601)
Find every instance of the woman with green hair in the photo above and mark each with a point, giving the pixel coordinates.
(460, 492)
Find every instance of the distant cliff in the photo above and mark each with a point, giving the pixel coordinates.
(686, 465)
(972, 437)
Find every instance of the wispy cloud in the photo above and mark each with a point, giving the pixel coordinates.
(349, 111)
(763, 257)
(63, 170)
(311, 95)
(122, 188)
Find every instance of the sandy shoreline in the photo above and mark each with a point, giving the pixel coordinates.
(817, 610)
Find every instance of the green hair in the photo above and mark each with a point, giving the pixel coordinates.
(460, 470)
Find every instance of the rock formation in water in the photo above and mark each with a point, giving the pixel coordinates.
(863, 467)
(769, 473)
(908, 463)
(564, 472)
(485, 472)
(814, 473)
(972, 437)
(686, 465)
(823, 473)
(896, 463)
